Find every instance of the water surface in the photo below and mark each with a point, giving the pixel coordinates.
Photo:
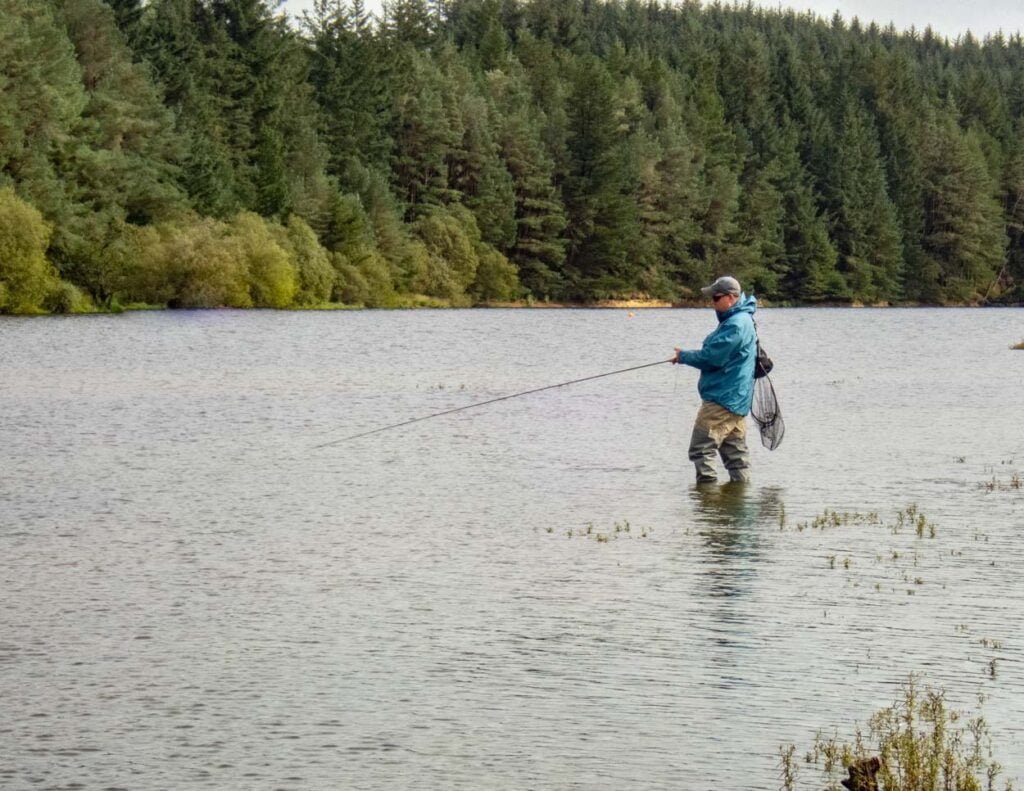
(530, 595)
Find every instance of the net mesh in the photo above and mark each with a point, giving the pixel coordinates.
(767, 414)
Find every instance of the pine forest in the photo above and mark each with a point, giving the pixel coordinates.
(216, 153)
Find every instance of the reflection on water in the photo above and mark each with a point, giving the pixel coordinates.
(737, 504)
(195, 598)
(733, 517)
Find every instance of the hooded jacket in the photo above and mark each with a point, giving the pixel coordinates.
(726, 359)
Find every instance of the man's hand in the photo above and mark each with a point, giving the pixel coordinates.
(675, 357)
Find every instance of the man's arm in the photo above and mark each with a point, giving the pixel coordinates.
(716, 351)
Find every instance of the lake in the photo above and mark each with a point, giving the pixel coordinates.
(529, 595)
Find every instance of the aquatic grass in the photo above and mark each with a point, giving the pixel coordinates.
(922, 745)
(997, 485)
(618, 530)
(832, 519)
(886, 555)
(1018, 345)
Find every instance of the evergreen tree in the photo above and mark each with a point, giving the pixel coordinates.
(865, 227)
(424, 136)
(598, 189)
(237, 77)
(41, 99)
(538, 250)
(350, 70)
(901, 109)
(806, 269)
(1010, 280)
(475, 171)
(127, 14)
(177, 41)
(410, 22)
(964, 233)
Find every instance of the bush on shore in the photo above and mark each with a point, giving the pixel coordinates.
(26, 277)
(191, 261)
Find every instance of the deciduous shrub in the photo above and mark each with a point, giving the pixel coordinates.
(272, 278)
(365, 281)
(26, 278)
(351, 288)
(67, 298)
(199, 265)
(316, 276)
(452, 260)
(496, 277)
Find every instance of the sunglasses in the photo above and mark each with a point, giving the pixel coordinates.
(717, 297)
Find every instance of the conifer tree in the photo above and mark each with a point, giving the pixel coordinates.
(177, 41)
(964, 233)
(424, 136)
(538, 251)
(41, 99)
(475, 171)
(127, 14)
(1010, 279)
(350, 69)
(410, 22)
(865, 227)
(599, 189)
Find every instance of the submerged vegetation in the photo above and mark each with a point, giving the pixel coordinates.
(922, 744)
(995, 484)
(905, 518)
(618, 530)
(202, 153)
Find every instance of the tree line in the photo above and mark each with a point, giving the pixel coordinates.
(203, 153)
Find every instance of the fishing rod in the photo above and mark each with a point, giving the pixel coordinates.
(491, 401)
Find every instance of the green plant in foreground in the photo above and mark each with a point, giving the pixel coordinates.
(923, 746)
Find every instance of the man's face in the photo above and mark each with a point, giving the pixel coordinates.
(724, 301)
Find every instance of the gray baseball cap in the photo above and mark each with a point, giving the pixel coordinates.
(724, 285)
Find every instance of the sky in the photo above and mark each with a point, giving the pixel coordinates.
(950, 18)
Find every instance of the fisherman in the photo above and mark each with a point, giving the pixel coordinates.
(726, 384)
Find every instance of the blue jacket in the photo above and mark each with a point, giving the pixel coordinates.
(726, 360)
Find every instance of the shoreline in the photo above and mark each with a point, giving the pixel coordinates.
(647, 304)
(416, 302)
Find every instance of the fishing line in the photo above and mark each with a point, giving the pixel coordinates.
(484, 403)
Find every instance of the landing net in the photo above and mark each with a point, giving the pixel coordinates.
(767, 414)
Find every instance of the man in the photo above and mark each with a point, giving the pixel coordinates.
(726, 385)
